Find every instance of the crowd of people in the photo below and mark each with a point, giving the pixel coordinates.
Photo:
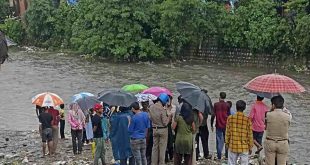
(154, 132)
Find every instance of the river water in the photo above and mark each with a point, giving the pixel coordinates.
(33, 72)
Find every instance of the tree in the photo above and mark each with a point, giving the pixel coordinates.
(115, 28)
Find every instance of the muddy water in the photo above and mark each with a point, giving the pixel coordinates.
(31, 72)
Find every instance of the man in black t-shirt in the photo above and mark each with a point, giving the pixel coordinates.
(98, 135)
(46, 122)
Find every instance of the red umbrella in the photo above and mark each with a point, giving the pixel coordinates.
(157, 91)
(274, 83)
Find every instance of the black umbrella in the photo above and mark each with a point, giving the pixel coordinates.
(87, 102)
(195, 96)
(117, 98)
(3, 48)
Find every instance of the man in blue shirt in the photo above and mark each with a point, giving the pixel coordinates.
(138, 126)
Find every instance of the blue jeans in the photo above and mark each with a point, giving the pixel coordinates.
(220, 141)
(138, 148)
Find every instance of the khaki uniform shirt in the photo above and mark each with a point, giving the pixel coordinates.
(277, 124)
(158, 115)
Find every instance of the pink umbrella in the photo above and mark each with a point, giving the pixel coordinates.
(274, 83)
(157, 91)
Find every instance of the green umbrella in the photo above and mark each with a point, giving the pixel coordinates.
(135, 88)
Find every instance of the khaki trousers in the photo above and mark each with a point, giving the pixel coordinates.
(276, 149)
(55, 133)
(160, 138)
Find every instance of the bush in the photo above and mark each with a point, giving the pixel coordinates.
(39, 22)
(4, 10)
(115, 28)
(14, 29)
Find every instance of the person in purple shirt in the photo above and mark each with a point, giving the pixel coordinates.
(137, 129)
(221, 113)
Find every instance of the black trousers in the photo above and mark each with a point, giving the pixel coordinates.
(204, 136)
(62, 129)
(149, 147)
(77, 140)
(170, 144)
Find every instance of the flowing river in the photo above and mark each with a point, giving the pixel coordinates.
(32, 72)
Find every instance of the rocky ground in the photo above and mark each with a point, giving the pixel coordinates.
(18, 147)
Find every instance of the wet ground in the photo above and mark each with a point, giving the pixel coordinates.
(31, 72)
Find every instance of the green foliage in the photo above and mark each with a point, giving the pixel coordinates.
(254, 25)
(153, 29)
(115, 28)
(14, 29)
(39, 22)
(4, 9)
(187, 21)
(62, 20)
(302, 34)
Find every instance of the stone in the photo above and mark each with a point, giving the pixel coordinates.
(59, 163)
(2, 155)
(25, 160)
(10, 156)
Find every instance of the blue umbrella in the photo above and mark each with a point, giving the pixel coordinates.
(81, 95)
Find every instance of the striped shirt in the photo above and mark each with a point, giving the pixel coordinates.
(239, 135)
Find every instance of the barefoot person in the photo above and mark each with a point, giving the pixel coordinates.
(47, 136)
(257, 116)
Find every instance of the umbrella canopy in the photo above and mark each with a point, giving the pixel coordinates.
(134, 88)
(81, 95)
(145, 97)
(156, 91)
(47, 99)
(264, 94)
(87, 102)
(274, 83)
(195, 96)
(117, 98)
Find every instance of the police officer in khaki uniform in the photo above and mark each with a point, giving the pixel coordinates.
(277, 125)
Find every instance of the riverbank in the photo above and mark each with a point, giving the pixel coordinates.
(24, 147)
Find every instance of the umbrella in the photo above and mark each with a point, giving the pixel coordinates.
(81, 95)
(145, 97)
(195, 96)
(47, 99)
(117, 98)
(87, 102)
(134, 88)
(264, 94)
(156, 91)
(274, 83)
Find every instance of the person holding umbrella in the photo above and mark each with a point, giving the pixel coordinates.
(277, 124)
(160, 120)
(185, 126)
